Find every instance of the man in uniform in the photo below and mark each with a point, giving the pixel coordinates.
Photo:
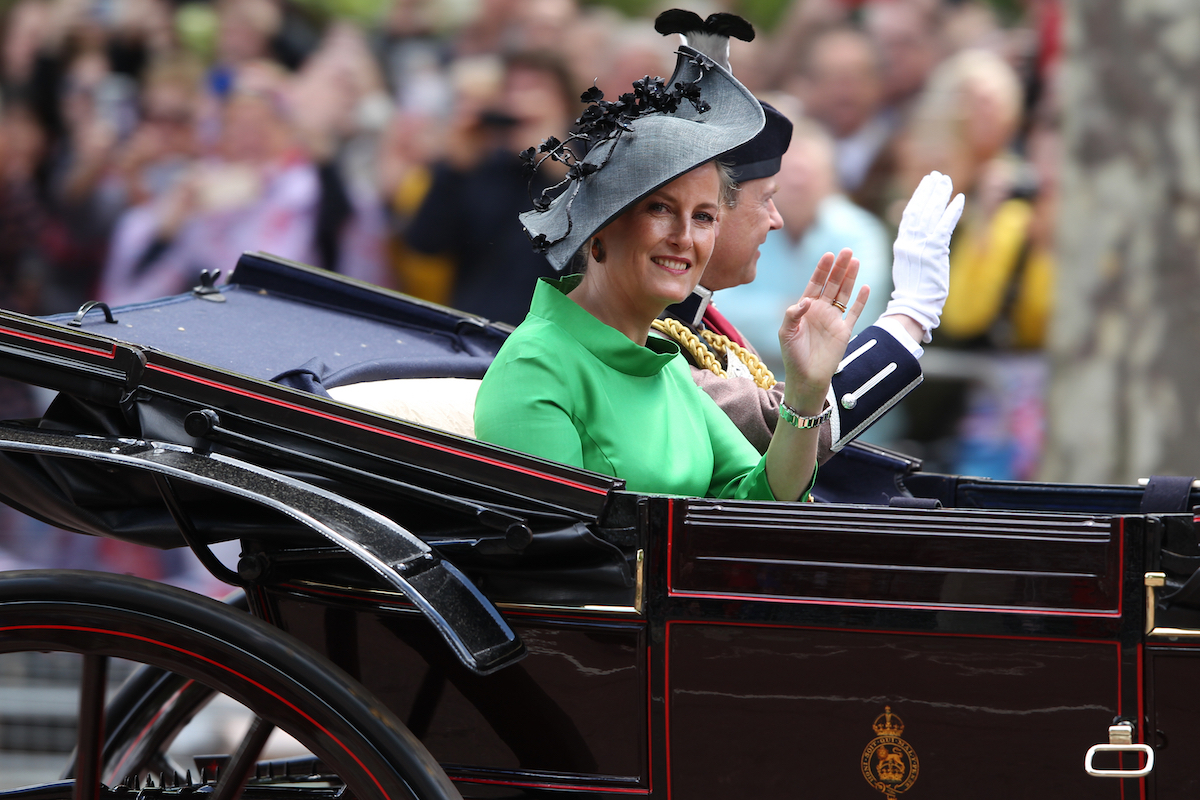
(881, 365)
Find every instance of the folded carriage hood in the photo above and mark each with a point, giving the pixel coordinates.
(133, 382)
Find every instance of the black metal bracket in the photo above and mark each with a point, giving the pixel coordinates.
(189, 534)
(466, 620)
(207, 288)
(205, 426)
(77, 321)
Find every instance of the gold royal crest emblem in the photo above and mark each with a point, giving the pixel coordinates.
(889, 764)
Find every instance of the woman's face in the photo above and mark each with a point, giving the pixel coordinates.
(656, 251)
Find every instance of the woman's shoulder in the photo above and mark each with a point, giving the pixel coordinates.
(540, 358)
(536, 338)
(533, 371)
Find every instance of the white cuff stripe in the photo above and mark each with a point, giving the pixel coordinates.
(850, 358)
(851, 400)
(835, 421)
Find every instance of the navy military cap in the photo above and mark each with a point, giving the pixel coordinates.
(760, 157)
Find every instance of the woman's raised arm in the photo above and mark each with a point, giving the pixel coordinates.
(813, 341)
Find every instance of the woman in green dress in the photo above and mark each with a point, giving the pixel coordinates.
(582, 380)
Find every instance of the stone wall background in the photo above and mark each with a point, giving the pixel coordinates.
(1124, 346)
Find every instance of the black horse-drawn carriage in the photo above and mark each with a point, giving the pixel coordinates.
(430, 615)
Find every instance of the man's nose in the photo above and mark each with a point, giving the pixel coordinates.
(775, 216)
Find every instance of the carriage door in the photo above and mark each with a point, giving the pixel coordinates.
(873, 652)
(1172, 654)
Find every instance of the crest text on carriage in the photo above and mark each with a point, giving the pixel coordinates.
(889, 764)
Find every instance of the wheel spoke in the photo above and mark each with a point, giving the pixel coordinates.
(89, 738)
(234, 777)
(181, 641)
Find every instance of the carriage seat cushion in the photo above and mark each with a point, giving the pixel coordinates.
(447, 404)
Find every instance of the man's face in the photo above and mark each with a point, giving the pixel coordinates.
(743, 229)
(903, 34)
(534, 97)
(843, 87)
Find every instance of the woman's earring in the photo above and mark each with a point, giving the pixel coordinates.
(598, 253)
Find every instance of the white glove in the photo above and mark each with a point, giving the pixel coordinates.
(921, 270)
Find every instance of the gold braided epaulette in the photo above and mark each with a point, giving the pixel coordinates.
(704, 357)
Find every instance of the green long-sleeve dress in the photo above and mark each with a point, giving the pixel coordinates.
(567, 387)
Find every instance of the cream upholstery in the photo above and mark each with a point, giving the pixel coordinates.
(444, 403)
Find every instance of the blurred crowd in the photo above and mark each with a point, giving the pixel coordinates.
(142, 141)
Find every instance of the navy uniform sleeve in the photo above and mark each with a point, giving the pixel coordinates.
(877, 372)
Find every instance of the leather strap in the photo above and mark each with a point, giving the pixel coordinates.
(1167, 494)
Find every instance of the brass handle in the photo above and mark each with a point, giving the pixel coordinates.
(1154, 580)
(1120, 740)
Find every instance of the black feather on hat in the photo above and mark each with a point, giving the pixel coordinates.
(709, 36)
(761, 156)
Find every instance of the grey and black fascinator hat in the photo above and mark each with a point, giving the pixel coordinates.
(636, 144)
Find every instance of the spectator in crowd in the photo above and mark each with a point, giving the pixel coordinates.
(974, 25)
(97, 111)
(841, 85)
(164, 143)
(26, 542)
(1001, 269)
(244, 32)
(542, 25)
(257, 190)
(610, 51)
(488, 32)
(413, 56)
(339, 107)
(22, 221)
(415, 60)
(817, 219)
(469, 211)
(501, 26)
(801, 25)
(905, 35)
(25, 28)
(407, 146)
(22, 142)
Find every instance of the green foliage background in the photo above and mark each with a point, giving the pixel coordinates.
(765, 14)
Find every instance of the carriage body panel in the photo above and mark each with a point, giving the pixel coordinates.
(675, 647)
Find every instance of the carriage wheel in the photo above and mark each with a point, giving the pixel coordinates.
(196, 648)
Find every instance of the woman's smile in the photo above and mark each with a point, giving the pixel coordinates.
(676, 266)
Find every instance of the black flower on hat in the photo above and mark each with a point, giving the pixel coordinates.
(606, 120)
